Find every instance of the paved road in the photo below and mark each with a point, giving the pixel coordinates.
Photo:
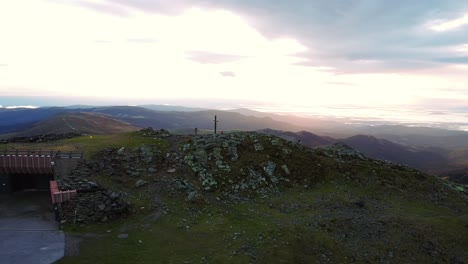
(28, 231)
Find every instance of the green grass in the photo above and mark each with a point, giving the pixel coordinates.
(259, 231)
(91, 144)
(303, 223)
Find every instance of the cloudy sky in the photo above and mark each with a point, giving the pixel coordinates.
(297, 52)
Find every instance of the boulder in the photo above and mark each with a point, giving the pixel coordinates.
(140, 183)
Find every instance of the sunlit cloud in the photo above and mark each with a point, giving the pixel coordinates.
(462, 48)
(99, 48)
(450, 24)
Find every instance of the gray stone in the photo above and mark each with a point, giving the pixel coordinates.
(114, 195)
(217, 153)
(121, 151)
(151, 169)
(285, 169)
(101, 207)
(287, 151)
(276, 142)
(258, 147)
(140, 183)
(270, 168)
(135, 174)
(201, 156)
(171, 170)
(123, 236)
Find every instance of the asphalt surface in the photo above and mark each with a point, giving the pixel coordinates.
(28, 231)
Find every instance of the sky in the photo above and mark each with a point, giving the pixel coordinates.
(297, 53)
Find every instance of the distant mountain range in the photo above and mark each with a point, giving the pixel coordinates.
(24, 120)
(373, 147)
(444, 162)
(430, 149)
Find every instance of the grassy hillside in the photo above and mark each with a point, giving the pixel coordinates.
(252, 198)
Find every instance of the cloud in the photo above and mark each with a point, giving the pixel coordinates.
(228, 74)
(142, 40)
(160, 48)
(99, 6)
(342, 34)
(211, 57)
(458, 60)
(341, 83)
(451, 24)
(19, 106)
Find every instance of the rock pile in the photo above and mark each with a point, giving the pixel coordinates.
(97, 206)
(150, 132)
(93, 202)
(77, 183)
(133, 162)
(340, 152)
(218, 163)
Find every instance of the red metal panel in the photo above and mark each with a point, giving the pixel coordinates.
(21, 164)
(34, 164)
(12, 164)
(38, 164)
(3, 163)
(50, 170)
(17, 164)
(9, 165)
(28, 165)
(44, 164)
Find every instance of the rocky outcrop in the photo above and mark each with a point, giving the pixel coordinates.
(341, 152)
(134, 162)
(93, 202)
(150, 132)
(219, 164)
(98, 206)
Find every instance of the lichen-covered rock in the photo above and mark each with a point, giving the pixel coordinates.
(140, 183)
(224, 167)
(94, 206)
(341, 152)
(269, 168)
(162, 133)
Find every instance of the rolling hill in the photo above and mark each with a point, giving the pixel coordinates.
(83, 123)
(306, 138)
(427, 159)
(143, 117)
(16, 120)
